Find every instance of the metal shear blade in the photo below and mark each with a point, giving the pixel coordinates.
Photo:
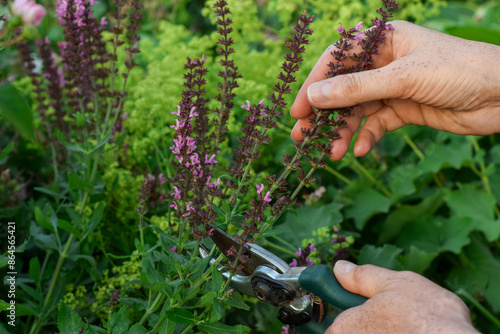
(257, 256)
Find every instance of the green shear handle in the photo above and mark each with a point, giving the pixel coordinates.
(320, 280)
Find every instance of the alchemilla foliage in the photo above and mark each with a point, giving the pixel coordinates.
(151, 122)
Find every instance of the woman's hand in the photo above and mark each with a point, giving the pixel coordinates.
(400, 302)
(420, 77)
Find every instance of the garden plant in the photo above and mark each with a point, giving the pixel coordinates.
(129, 126)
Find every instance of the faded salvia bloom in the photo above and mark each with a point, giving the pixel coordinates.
(303, 255)
(30, 12)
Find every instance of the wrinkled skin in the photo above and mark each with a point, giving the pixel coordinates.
(420, 77)
(400, 302)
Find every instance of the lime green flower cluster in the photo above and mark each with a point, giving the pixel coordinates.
(329, 243)
(75, 298)
(120, 278)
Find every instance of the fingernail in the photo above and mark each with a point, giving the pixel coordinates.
(319, 92)
(343, 267)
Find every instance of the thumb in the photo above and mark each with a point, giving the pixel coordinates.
(366, 280)
(389, 82)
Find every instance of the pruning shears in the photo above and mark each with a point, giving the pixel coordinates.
(301, 293)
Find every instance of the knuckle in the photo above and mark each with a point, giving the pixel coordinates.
(362, 272)
(351, 86)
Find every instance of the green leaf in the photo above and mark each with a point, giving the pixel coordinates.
(385, 256)
(297, 227)
(494, 154)
(417, 260)
(68, 321)
(3, 305)
(205, 300)
(477, 205)
(401, 216)
(87, 258)
(35, 294)
(217, 279)
(476, 33)
(365, 204)
(94, 220)
(236, 300)
(218, 210)
(435, 234)
(180, 316)
(219, 328)
(478, 272)
(149, 268)
(4, 260)
(75, 218)
(34, 270)
(68, 146)
(23, 310)
(16, 110)
(120, 321)
(49, 192)
(401, 178)
(42, 220)
(218, 308)
(63, 224)
(137, 329)
(47, 241)
(6, 151)
(75, 182)
(454, 154)
(199, 269)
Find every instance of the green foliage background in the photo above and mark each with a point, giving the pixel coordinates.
(423, 200)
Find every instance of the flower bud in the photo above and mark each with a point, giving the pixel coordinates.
(30, 12)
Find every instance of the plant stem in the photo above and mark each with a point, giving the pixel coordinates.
(362, 169)
(279, 248)
(337, 174)
(421, 156)
(482, 174)
(465, 295)
(160, 298)
(53, 281)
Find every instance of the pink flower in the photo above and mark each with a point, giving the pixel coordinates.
(210, 160)
(267, 198)
(293, 263)
(285, 329)
(259, 187)
(358, 37)
(162, 179)
(247, 107)
(31, 12)
(341, 30)
(176, 193)
(359, 26)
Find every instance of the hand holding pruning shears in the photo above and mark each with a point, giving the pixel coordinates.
(407, 301)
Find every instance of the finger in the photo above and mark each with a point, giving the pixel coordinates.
(297, 129)
(375, 127)
(366, 280)
(341, 145)
(348, 322)
(389, 82)
(301, 107)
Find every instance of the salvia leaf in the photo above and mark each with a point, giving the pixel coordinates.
(16, 110)
(180, 316)
(75, 182)
(5, 152)
(68, 321)
(219, 328)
